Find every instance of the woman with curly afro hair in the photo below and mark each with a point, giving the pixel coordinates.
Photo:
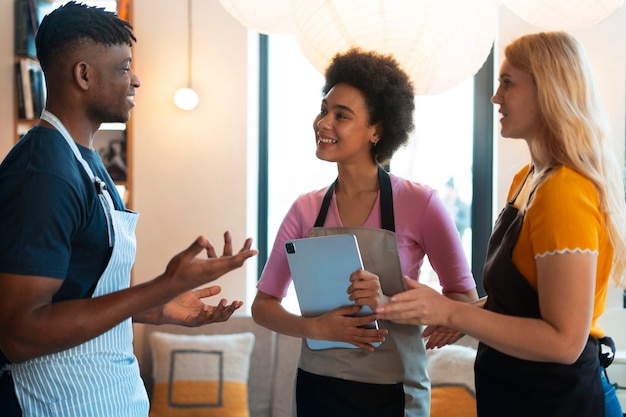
(366, 115)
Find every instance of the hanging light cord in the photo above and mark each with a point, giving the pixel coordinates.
(189, 40)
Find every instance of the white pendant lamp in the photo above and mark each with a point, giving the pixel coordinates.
(467, 47)
(186, 98)
(563, 14)
(263, 16)
(440, 43)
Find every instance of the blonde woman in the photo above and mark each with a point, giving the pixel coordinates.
(553, 249)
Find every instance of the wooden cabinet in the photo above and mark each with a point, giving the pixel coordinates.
(114, 140)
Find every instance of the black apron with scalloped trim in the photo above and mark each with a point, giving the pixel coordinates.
(392, 381)
(512, 387)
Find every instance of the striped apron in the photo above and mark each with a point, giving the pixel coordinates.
(101, 376)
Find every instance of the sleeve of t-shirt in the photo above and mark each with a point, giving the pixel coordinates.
(37, 223)
(564, 215)
(298, 221)
(442, 244)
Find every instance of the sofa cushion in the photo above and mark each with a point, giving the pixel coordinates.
(200, 375)
(288, 354)
(452, 401)
(262, 365)
(451, 371)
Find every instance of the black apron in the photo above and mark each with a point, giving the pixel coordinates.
(391, 381)
(511, 387)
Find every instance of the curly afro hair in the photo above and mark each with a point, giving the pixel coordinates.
(388, 91)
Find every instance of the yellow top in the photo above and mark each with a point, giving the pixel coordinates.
(564, 216)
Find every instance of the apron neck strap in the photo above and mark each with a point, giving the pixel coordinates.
(105, 198)
(386, 202)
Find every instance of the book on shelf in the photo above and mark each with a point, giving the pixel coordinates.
(19, 89)
(30, 88)
(37, 89)
(29, 111)
(26, 25)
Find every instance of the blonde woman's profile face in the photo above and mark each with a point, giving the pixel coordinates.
(518, 103)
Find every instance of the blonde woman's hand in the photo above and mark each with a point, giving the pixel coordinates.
(418, 305)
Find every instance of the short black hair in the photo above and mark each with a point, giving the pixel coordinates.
(73, 22)
(388, 91)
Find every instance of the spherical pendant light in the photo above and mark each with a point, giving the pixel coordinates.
(440, 43)
(563, 14)
(266, 16)
(186, 98)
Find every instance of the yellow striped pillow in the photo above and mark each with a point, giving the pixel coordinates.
(200, 375)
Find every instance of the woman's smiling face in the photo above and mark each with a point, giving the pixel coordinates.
(342, 129)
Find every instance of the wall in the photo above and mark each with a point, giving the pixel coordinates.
(189, 167)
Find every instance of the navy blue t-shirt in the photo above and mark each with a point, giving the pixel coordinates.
(51, 220)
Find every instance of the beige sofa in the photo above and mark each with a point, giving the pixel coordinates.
(273, 362)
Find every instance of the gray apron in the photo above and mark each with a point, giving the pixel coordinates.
(401, 358)
(101, 376)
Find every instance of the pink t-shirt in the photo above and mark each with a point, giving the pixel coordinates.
(423, 227)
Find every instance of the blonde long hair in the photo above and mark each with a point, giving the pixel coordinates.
(576, 132)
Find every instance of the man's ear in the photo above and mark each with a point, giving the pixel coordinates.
(80, 72)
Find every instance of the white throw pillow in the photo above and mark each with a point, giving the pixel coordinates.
(200, 375)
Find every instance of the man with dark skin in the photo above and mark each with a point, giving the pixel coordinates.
(68, 242)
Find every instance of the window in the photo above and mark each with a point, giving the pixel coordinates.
(294, 96)
(440, 154)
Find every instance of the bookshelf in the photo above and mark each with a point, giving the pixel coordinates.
(26, 24)
(114, 140)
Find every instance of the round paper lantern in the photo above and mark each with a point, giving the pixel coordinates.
(440, 43)
(467, 47)
(563, 14)
(267, 16)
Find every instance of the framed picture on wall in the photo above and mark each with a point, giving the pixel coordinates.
(111, 145)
